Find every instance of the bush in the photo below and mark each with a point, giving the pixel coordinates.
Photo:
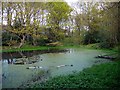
(105, 45)
(9, 38)
(42, 42)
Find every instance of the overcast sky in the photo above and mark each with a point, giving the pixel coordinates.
(71, 1)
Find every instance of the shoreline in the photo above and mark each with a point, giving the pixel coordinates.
(42, 48)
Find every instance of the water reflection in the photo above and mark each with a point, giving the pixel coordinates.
(9, 61)
(27, 57)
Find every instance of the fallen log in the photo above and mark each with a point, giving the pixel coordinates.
(18, 62)
(105, 57)
(34, 67)
(64, 65)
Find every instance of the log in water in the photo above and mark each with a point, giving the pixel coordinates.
(105, 57)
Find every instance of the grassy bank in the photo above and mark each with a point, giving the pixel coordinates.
(99, 76)
(30, 48)
(26, 48)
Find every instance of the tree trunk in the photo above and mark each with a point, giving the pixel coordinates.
(22, 41)
(2, 12)
(34, 42)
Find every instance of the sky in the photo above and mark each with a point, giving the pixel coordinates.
(71, 1)
(68, 1)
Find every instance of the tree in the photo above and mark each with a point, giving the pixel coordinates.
(88, 20)
(24, 23)
(58, 12)
(110, 24)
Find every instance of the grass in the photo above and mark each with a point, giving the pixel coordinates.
(99, 76)
(27, 48)
(30, 48)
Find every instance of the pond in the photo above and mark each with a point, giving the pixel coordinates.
(57, 62)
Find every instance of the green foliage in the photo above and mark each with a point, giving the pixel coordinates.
(58, 13)
(91, 37)
(109, 25)
(42, 42)
(8, 38)
(118, 52)
(41, 23)
(69, 41)
(17, 24)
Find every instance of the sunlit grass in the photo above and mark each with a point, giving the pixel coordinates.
(28, 48)
(31, 48)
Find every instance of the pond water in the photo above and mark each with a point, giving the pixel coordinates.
(15, 75)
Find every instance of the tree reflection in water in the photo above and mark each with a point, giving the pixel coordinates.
(32, 56)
